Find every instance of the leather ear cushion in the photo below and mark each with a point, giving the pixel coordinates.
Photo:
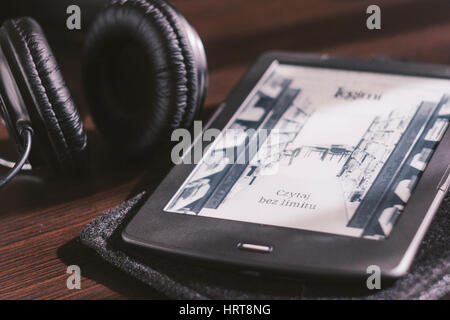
(53, 110)
(180, 26)
(139, 74)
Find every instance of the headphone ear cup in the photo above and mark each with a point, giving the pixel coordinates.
(59, 137)
(194, 58)
(141, 74)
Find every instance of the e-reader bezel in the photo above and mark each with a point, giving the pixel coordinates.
(292, 250)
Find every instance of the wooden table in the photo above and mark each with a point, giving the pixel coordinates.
(40, 221)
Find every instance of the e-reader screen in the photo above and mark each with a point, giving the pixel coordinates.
(325, 150)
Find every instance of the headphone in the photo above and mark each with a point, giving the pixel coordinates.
(144, 74)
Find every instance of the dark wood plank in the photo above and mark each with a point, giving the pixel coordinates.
(40, 220)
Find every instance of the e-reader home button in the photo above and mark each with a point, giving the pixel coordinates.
(254, 247)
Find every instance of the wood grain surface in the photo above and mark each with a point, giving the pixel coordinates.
(40, 219)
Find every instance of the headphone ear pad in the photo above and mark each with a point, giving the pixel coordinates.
(59, 137)
(140, 75)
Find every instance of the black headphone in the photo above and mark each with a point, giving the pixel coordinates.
(144, 73)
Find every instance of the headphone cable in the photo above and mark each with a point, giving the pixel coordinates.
(10, 164)
(27, 134)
